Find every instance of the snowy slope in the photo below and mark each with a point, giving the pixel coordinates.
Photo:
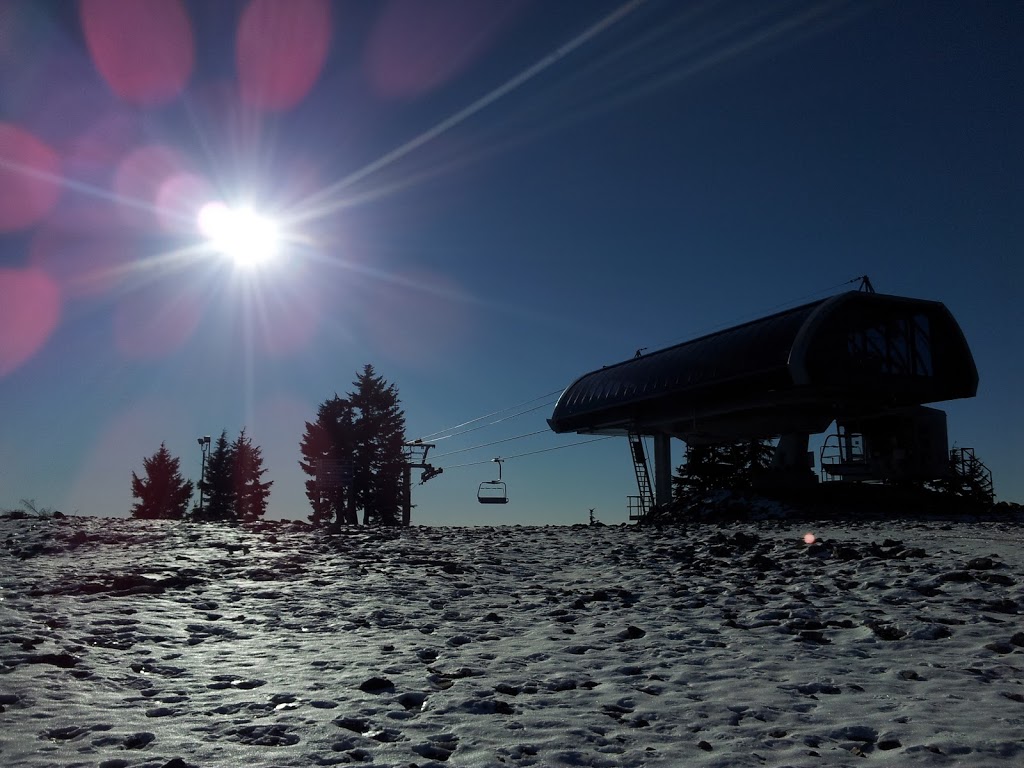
(134, 643)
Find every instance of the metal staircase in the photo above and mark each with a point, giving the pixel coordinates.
(640, 506)
(973, 478)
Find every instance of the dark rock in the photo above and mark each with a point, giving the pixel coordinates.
(810, 636)
(64, 660)
(909, 674)
(981, 564)
(1001, 647)
(139, 740)
(65, 733)
(432, 752)
(246, 685)
(810, 689)
(631, 633)
(704, 745)
(354, 724)
(277, 735)
(412, 700)
(376, 685)
(886, 632)
(997, 578)
(1004, 605)
(932, 632)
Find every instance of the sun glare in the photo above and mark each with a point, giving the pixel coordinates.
(241, 234)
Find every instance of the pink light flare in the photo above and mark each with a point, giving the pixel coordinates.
(417, 47)
(29, 181)
(809, 538)
(143, 48)
(29, 313)
(280, 51)
(144, 179)
(179, 201)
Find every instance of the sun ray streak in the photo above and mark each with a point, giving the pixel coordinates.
(91, 190)
(462, 115)
(642, 65)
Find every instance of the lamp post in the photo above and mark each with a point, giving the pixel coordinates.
(204, 446)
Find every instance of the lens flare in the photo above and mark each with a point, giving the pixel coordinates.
(144, 50)
(809, 538)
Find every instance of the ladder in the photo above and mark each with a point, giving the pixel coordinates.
(644, 503)
(973, 477)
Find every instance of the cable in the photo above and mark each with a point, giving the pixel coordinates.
(486, 445)
(531, 453)
(430, 437)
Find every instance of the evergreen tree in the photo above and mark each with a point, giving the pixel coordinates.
(367, 433)
(379, 452)
(329, 443)
(728, 466)
(219, 482)
(163, 493)
(250, 492)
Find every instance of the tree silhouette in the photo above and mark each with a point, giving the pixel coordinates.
(379, 454)
(163, 493)
(219, 483)
(250, 491)
(728, 466)
(329, 442)
(362, 435)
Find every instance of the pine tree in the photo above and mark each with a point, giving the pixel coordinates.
(329, 442)
(379, 453)
(728, 466)
(367, 433)
(163, 493)
(250, 491)
(219, 482)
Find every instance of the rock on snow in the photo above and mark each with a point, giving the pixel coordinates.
(160, 644)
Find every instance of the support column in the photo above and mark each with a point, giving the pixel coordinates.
(662, 469)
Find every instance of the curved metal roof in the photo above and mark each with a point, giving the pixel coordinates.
(791, 371)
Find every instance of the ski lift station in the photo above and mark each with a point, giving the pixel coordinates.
(866, 361)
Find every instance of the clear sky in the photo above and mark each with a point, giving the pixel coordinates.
(484, 199)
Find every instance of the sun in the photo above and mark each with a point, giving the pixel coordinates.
(241, 234)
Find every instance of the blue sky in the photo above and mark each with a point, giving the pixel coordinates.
(484, 200)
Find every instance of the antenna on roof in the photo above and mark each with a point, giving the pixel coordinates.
(865, 284)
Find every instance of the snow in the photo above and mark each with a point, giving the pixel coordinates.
(152, 643)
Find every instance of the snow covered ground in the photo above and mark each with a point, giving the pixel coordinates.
(134, 643)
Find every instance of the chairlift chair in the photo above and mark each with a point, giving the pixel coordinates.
(493, 491)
